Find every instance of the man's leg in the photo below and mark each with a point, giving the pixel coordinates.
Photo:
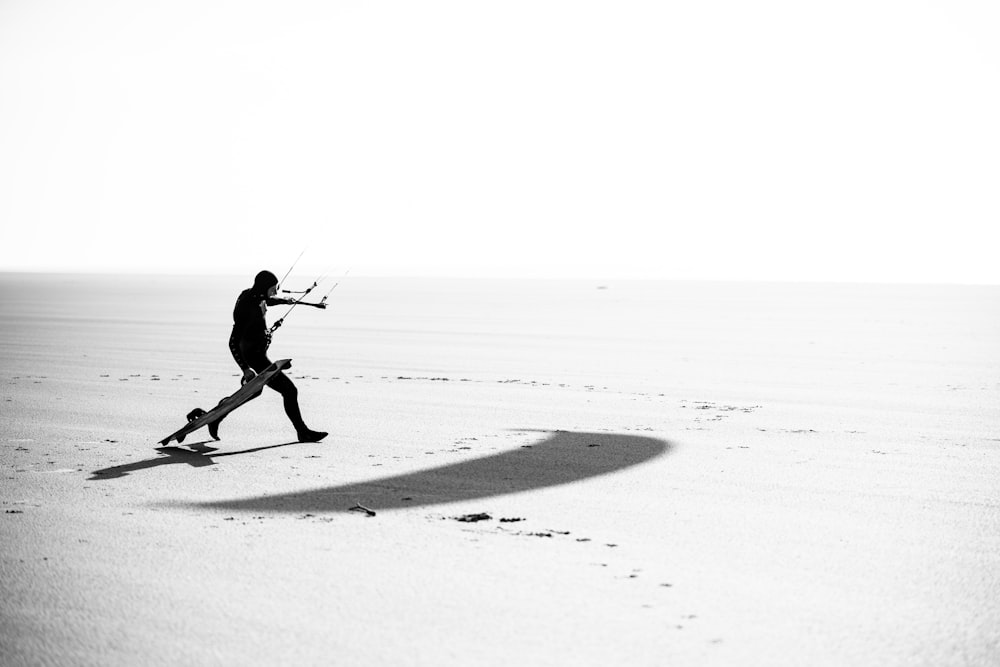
(282, 384)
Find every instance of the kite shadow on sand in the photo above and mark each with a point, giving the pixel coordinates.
(560, 458)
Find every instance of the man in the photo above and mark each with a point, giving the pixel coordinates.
(249, 340)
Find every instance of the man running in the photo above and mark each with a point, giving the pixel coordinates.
(249, 340)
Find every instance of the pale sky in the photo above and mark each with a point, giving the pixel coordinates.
(708, 139)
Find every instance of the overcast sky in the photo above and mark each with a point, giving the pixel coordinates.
(708, 139)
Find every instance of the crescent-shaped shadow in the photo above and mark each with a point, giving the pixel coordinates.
(563, 457)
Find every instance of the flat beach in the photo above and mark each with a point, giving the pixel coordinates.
(556, 473)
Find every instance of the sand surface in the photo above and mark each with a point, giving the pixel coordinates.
(674, 474)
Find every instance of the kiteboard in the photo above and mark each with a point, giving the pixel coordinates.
(198, 417)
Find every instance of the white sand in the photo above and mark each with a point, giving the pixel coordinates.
(708, 474)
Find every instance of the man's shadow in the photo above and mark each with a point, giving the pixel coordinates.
(196, 455)
(562, 457)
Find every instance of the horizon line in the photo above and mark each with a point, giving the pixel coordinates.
(111, 273)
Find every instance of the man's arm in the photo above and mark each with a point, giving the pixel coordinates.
(274, 301)
(234, 348)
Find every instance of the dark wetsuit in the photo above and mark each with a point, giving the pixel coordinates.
(248, 344)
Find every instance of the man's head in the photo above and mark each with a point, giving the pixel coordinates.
(265, 282)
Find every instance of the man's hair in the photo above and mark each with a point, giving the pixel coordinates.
(264, 281)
